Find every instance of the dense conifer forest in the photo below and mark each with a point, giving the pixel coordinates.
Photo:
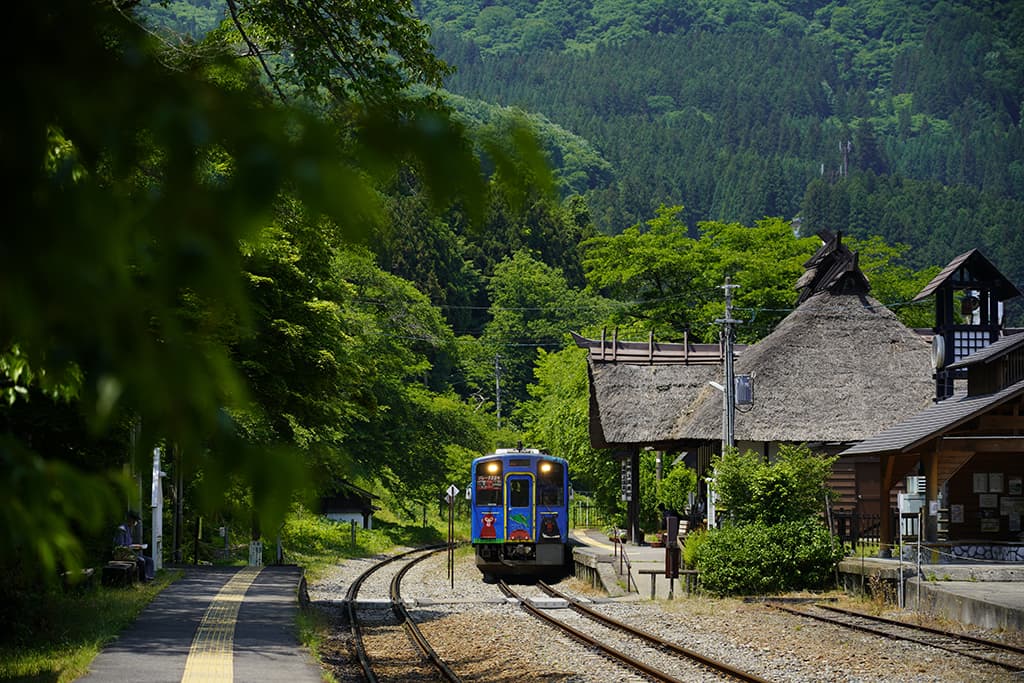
(898, 119)
(875, 117)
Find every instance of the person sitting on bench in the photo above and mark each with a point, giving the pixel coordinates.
(124, 538)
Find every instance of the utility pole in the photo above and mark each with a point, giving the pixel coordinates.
(497, 388)
(729, 421)
(729, 388)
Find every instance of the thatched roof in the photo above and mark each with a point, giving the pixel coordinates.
(934, 421)
(841, 367)
(634, 404)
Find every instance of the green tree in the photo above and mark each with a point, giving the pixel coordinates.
(893, 282)
(140, 171)
(673, 282)
(532, 307)
(793, 487)
(674, 490)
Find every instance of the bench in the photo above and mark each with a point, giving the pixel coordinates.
(688, 578)
(120, 573)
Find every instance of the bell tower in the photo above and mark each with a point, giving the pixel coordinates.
(969, 293)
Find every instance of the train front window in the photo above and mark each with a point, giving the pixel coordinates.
(519, 493)
(488, 483)
(549, 482)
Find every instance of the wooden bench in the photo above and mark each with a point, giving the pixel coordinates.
(687, 578)
(120, 573)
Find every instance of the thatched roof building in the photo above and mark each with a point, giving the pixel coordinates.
(641, 404)
(839, 368)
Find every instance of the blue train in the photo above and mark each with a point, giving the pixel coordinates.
(519, 501)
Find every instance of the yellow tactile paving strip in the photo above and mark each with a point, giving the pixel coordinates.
(587, 540)
(210, 659)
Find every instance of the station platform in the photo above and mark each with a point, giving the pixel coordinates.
(215, 624)
(598, 561)
(989, 595)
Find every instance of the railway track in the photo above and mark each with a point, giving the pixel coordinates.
(991, 652)
(653, 655)
(386, 631)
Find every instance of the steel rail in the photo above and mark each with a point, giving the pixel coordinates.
(587, 639)
(895, 636)
(716, 665)
(410, 626)
(353, 617)
(974, 640)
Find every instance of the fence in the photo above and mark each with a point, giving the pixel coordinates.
(587, 516)
(860, 533)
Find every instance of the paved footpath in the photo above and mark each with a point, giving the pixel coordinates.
(216, 625)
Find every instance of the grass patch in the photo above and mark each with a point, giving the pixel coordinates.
(312, 627)
(866, 549)
(50, 635)
(317, 543)
(58, 634)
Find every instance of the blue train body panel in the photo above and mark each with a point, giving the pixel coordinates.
(520, 511)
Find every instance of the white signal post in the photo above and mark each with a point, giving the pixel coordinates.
(453, 491)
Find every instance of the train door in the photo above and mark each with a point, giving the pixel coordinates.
(519, 507)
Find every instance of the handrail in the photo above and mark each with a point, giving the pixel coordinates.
(620, 553)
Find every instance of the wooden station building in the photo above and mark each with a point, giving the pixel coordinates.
(837, 371)
(969, 444)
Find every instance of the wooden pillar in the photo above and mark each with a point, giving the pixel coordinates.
(887, 463)
(931, 473)
(635, 534)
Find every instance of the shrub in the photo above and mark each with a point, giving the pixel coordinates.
(692, 548)
(791, 488)
(675, 488)
(758, 558)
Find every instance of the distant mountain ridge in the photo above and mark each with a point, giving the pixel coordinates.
(901, 119)
(876, 117)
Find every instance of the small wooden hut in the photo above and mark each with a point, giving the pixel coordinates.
(346, 502)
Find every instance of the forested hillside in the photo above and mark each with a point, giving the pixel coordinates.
(901, 119)
(288, 246)
(876, 117)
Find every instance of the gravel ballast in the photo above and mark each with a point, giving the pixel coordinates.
(484, 637)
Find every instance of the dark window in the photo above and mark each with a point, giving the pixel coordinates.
(549, 481)
(488, 483)
(518, 493)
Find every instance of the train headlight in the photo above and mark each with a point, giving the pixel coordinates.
(545, 467)
(492, 467)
